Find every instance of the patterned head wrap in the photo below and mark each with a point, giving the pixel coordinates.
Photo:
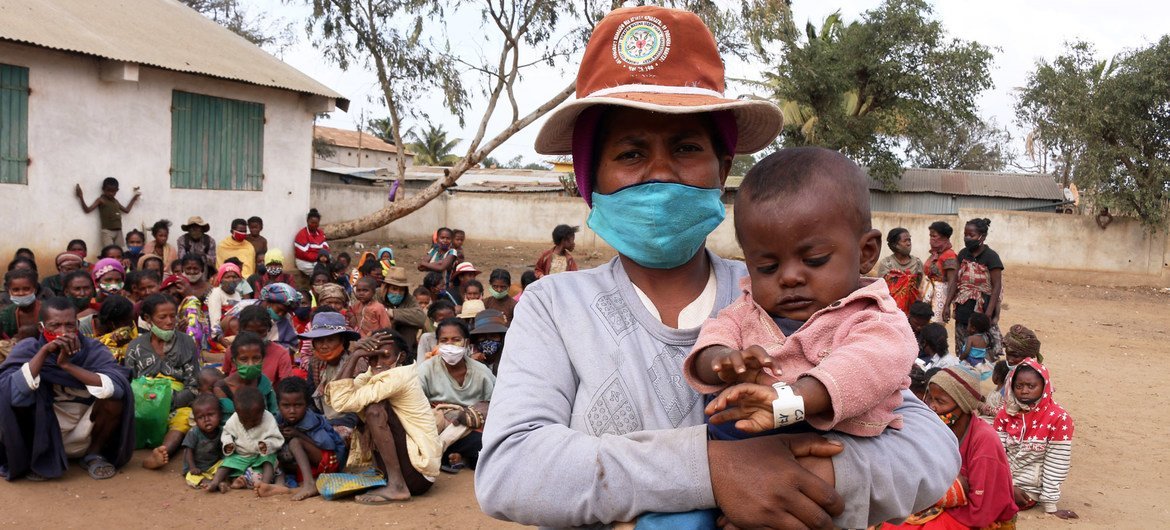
(1023, 341)
(68, 257)
(281, 293)
(328, 291)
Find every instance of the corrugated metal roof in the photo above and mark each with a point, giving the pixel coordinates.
(161, 33)
(353, 139)
(966, 183)
(977, 183)
(376, 174)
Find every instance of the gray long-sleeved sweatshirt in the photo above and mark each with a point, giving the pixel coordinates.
(592, 421)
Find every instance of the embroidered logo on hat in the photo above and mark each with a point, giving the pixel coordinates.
(641, 42)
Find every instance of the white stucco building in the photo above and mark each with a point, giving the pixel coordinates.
(154, 94)
(354, 149)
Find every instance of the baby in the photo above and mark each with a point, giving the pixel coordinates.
(250, 439)
(202, 448)
(811, 339)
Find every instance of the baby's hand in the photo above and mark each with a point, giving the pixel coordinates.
(748, 405)
(195, 471)
(229, 449)
(263, 448)
(743, 366)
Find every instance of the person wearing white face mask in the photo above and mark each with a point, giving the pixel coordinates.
(459, 388)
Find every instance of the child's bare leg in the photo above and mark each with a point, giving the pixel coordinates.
(162, 454)
(217, 483)
(378, 422)
(267, 473)
(239, 483)
(304, 453)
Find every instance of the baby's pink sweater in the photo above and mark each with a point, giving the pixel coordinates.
(860, 347)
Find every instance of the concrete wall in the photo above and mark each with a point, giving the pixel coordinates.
(1070, 247)
(350, 157)
(83, 129)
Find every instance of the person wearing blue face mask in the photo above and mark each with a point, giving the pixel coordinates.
(407, 317)
(590, 382)
(135, 242)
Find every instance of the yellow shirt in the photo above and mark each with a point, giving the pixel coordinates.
(401, 386)
(241, 250)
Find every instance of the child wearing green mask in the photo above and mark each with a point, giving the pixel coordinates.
(164, 353)
(496, 297)
(248, 356)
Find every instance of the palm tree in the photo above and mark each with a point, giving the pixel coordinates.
(432, 148)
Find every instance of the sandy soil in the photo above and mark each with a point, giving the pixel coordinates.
(1107, 348)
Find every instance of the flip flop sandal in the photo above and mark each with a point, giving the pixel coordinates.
(33, 476)
(451, 468)
(93, 463)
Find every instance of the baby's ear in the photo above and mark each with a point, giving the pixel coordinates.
(871, 248)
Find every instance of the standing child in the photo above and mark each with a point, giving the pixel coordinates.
(365, 313)
(259, 242)
(558, 258)
(202, 447)
(806, 296)
(458, 237)
(311, 447)
(251, 439)
(109, 209)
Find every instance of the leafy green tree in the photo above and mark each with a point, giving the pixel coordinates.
(976, 146)
(432, 147)
(867, 86)
(1107, 122)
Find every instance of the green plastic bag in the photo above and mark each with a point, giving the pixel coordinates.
(152, 410)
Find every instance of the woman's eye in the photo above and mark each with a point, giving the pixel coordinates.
(690, 148)
(629, 155)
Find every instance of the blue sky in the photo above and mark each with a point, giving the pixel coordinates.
(1022, 31)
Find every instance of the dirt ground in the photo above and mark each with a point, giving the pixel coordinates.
(1107, 348)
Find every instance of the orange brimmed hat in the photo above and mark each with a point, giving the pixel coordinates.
(661, 60)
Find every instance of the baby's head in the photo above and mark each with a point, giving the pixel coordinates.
(999, 373)
(802, 217)
(978, 323)
(292, 397)
(208, 377)
(249, 406)
(207, 413)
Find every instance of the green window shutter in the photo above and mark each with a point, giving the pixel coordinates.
(13, 124)
(216, 143)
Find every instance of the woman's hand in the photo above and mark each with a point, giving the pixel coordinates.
(946, 316)
(787, 495)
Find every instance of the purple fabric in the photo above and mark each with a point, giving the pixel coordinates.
(32, 437)
(585, 132)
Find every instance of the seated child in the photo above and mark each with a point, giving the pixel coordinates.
(248, 355)
(366, 314)
(422, 295)
(311, 445)
(251, 439)
(974, 351)
(202, 448)
(934, 345)
(807, 318)
(993, 400)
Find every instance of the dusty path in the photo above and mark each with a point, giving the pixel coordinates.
(1109, 351)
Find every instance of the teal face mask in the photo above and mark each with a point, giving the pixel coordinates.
(395, 298)
(660, 225)
(164, 335)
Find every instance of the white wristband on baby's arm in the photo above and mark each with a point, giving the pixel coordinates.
(788, 408)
